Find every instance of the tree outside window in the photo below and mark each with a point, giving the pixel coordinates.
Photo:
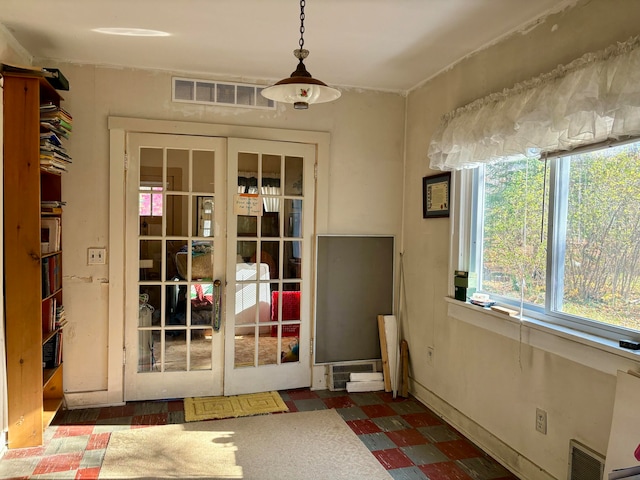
(564, 238)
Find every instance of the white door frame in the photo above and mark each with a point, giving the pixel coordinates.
(118, 128)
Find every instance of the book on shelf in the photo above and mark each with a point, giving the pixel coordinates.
(60, 317)
(53, 127)
(51, 275)
(53, 165)
(52, 351)
(50, 234)
(55, 124)
(51, 206)
(49, 308)
(50, 137)
(57, 119)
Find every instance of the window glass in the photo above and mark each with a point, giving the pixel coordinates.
(514, 245)
(601, 267)
(563, 238)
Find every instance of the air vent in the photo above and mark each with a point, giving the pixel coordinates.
(584, 463)
(188, 90)
(339, 374)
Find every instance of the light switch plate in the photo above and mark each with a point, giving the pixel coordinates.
(97, 256)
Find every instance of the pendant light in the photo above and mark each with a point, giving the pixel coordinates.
(301, 89)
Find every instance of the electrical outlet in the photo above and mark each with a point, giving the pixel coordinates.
(97, 256)
(541, 421)
(430, 354)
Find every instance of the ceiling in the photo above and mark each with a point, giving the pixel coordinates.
(390, 45)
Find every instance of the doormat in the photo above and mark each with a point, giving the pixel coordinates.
(212, 408)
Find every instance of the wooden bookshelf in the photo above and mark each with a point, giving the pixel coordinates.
(35, 394)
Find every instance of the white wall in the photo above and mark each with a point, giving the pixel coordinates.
(365, 183)
(490, 384)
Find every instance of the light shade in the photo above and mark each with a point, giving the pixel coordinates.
(301, 89)
(301, 92)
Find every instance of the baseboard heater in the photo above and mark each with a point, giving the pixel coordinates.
(340, 373)
(584, 463)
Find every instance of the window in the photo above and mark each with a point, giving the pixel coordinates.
(151, 203)
(562, 237)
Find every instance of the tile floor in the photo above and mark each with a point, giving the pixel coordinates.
(408, 439)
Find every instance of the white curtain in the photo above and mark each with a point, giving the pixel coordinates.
(593, 99)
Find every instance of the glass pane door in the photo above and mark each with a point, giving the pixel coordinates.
(270, 227)
(174, 341)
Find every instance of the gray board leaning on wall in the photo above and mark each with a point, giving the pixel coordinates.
(354, 286)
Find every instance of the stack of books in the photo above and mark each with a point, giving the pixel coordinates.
(52, 206)
(61, 317)
(56, 124)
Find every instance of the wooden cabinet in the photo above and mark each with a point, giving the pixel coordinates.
(35, 393)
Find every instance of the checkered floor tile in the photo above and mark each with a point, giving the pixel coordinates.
(408, 439)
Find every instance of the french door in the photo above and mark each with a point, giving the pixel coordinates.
(175, 252)
(269, 230)
(218, 256)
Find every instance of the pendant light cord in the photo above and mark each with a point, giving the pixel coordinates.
(301, 42)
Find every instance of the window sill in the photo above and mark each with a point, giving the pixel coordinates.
(589, 350)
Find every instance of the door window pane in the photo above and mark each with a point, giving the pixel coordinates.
(201, 260)
(200, 349)
(246, 250)
(178, 170)
(203, 216)
(293, 176)
(203, 171)
(247, 226)
(270, 221)
(177, 215)
(292, 260)
(267, 349)
(177, 258)
(293, 218)
(150, 260)
(175, 356)
(289, 308)
(176, 308)
(149, 307)
(244, 347)
(290, 346)
(149, 354)
(269, 258)
(201, 302)
(248, 172)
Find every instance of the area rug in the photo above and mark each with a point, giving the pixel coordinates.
(210, 408)
(315, 445)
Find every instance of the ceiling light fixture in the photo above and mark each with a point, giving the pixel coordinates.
(301, 88)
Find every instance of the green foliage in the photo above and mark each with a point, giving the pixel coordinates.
(601, 245)
(603, 234)
(513, 219)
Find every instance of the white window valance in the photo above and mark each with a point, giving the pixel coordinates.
(592, 99)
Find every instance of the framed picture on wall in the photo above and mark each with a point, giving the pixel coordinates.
(436, 195)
